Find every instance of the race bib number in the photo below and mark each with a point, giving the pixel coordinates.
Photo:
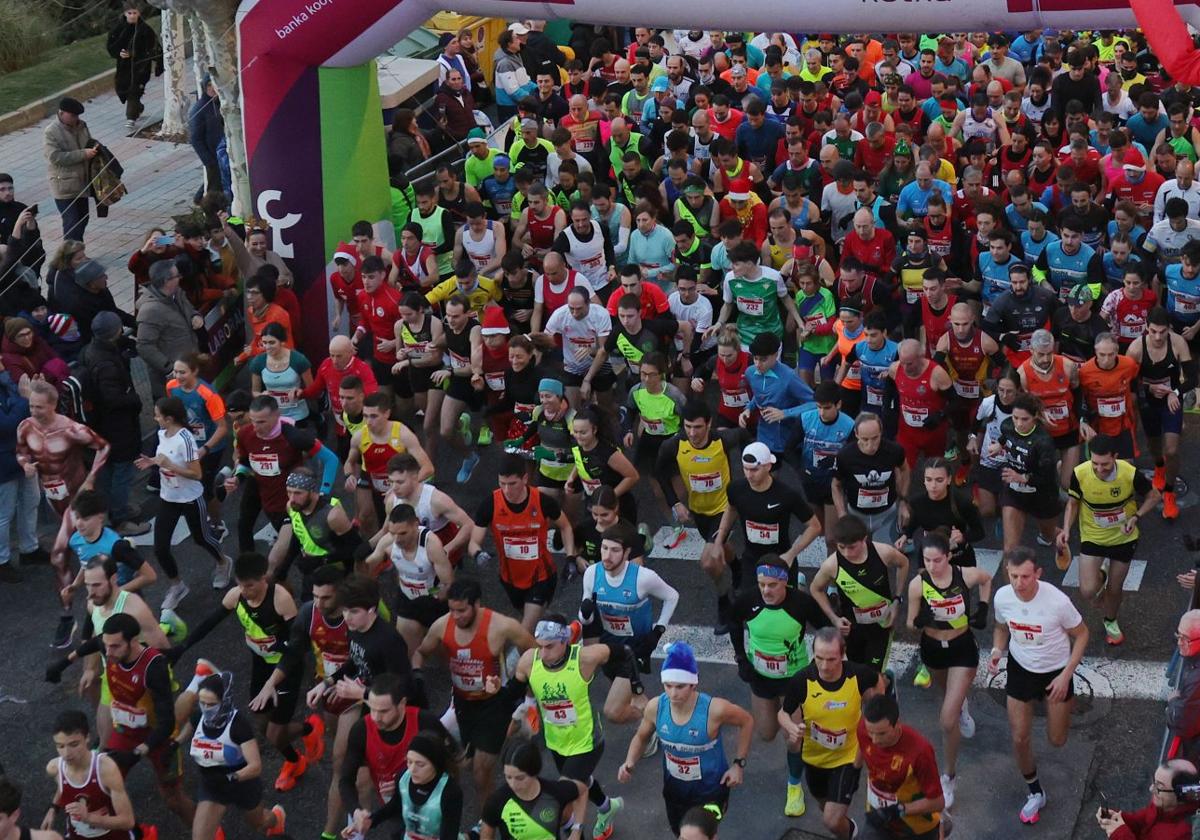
(130, 717)
(617, 625)
(854, 374)
(770, 665)
(1029, 635)
(654, 427)
(284, 398)
(1131, 330)
(495, 381)
(734, 399)
(1186, 304)
(458, 362)
(915, 417)
(830, 739)
(55, 489)
(871, 615)
(948, 609)
(762, 533)
(813, 321)
(705, 482)
(199, 433)
(1108, 518)
(868, 498)
(590, 485)
(208, 752)
(413, 588)
(1110, 406)
(331, 663)
(967, 389)
(381, 485)
(593, 262)
(466, 674)
(1057, 411)
(874, 396)
(751, 306)
(521, 548)
(261, 646)
(683, 768)
(877, 798)
(559, 713)
(266, 464)
(912, 296)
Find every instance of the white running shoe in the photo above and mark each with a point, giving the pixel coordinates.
(1034, 803)
(221, 574)
(966, 723)
(948, 791)
(175, 595)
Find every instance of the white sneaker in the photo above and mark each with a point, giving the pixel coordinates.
(966, 723)
(221, 574)
(175, 595)
(1033, 808)
(948, 791)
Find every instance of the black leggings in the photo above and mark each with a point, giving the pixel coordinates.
(248, 511)
(196, 516)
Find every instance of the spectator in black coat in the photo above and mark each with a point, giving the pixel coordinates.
(20, 238)
(115, 414)
(138, 52)
(540, 51)
(206, 130)
(87, 297)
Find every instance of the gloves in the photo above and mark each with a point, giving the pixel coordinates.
(745, 670)
(882, 818)
(979, 615)
(174, 654)
(416, 691)
(54, 671)
(656, 635)
(1011, 340)
(933, 420)
(921, 620)
(483, 558)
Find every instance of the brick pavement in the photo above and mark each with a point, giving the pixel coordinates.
(161, 178)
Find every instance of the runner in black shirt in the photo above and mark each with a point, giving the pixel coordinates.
(1076, 325)
(376, 646)
(871, 479)
(939, 504)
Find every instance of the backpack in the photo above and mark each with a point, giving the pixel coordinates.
(74, 395)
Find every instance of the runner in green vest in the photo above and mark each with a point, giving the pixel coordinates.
(317, 532)
(756, 293)
(559, 675)
(529, 807)
(697, 208)
(767, 632)
(656, 403)
(437, 228)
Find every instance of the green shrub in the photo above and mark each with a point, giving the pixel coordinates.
(25, 35)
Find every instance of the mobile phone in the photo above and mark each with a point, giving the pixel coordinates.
(33, 209)
(164, 240)
(1105, 812)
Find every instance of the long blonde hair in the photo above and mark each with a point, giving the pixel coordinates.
(65, 253)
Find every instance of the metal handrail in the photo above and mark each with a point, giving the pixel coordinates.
(459, 147)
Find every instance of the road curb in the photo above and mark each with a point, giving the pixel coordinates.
(35, 112)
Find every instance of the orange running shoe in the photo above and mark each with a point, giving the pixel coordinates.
(534, 719)
(290, 773)
(1160, 478)
(150, 832)
(962, 475)
(280, 821)
(1170, 508)
(220, 835)
(314, 742)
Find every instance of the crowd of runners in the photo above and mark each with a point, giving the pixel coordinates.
(883, 296)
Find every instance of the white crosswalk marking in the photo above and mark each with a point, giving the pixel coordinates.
(1117, 679)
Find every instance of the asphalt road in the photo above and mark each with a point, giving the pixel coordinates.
(1113, 748)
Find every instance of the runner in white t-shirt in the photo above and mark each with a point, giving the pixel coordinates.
(181, 495)
(1045, 638)
(583, 327)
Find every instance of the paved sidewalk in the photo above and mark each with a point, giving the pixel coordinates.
(161, 178)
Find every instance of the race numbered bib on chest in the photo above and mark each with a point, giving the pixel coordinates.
(770, 664)
(1108, 518)
(265, 464)
(871, 615)
(967, 389)
(912, 296)
(830, 739)
(1027, 634)
(705, 482)
(874, 396)
(495, 381)
(752, 306)
(879, 799)
(130, 717)
(616, 624)
(681, 767)
(521, 548)
(915, 417)
(559, 713)
(734, 399)
(208, 752)
(947, 609)
(869, 498)
(762, 533)
(466, 674)
(414, 588)
(55, 489)
(654, 427)
(1056, 410)
(1186, 304)
(263, 646)
(1110, 406)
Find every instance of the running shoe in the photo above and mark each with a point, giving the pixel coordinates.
(464, 428)
(651, 746)
(922, 678)
(1160, 479)
(1112, 633)
(175, 595)
(533, 719)
(603, 828)
(1043, 541)
(149, 832)
(1031, 811)
(962, 475)
(173, 627)
(644, 530)
(280, 821)
(794, 806)
(485, 436)
(64, 634)
(951, 452)
(966, 723)
(129, 528)
(948, 791)
(1170, 508)
(221, 574)
(468, 466)
(221, 530)
(290, 773)
(314, 742)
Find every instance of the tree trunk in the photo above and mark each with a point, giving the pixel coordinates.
(216, 18)
(201, 57)
(175, 98)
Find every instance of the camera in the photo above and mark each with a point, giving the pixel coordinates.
(1186, 787)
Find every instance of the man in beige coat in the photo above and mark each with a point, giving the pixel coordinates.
(69, 147)
(166, 324)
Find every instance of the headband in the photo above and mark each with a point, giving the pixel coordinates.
(303, 481)
(771, 572)
(552, 631)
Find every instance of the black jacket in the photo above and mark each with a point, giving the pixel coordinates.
(84, 305)
(115, 404)
(539, 50)
(145, 54)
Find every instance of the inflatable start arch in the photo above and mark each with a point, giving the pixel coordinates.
(310, 100)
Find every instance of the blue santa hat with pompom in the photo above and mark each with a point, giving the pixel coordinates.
(680, 665)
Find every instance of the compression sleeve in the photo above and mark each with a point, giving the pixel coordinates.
(329, 466)
(355, 759)
(298, 640)
(651, 584)
(666, 468)
(158, 684)
(206, 626)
